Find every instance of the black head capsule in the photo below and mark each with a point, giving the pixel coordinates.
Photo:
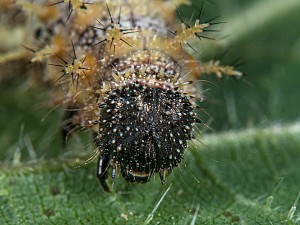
(144, 130)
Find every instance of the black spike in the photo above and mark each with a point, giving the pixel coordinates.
(200, 12)
(125, 42)
(101, 24)
(50, 64)
(86, 77)
(119, 17)
(56, 3)
(99, 42)
(211, 30)
(75, 57)
(214, 18)
(130, 32)
(29, 49)
(83, 68)
(71, 11)
(112, 41)
(174, 33)
(234, 63)
(60, 77)
(181, 19)
(83, 59)
(62, 59)
(191, 47)
(200, 36)
(216, 23)
(98, 28)
(111, 20)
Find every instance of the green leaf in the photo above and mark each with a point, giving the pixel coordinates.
(245, 177)
(246, 172)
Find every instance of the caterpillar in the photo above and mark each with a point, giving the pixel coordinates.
(122, 70)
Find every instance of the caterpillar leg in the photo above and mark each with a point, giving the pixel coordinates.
(103, 163)
(162, 176)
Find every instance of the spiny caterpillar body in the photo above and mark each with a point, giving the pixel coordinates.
(122, 70)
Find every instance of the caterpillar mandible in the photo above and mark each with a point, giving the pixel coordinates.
(122, 70)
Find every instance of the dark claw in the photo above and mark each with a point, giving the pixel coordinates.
(162, 177)
(102, 172)
(113, 173)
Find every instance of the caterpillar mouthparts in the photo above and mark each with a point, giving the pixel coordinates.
(129, 79)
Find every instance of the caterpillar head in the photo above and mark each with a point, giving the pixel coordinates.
(144, 127)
